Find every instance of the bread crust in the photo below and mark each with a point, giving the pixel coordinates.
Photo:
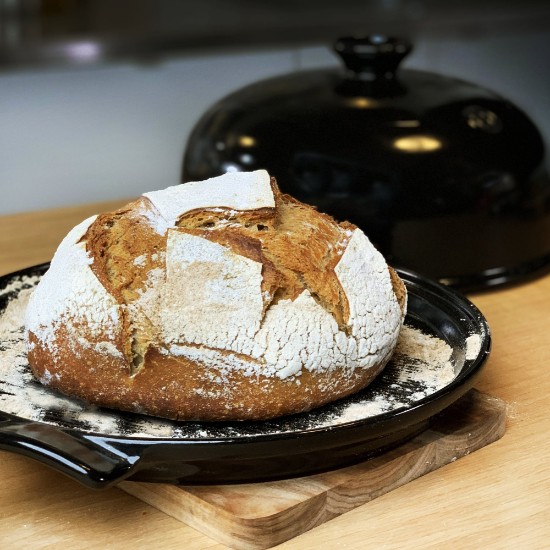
(180, 389)
(135, 363)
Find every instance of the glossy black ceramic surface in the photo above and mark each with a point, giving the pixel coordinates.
(447, 178)
(147, 449)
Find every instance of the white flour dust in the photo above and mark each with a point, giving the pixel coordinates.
(421, 365)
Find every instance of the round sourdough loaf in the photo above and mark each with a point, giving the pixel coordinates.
(215, 300)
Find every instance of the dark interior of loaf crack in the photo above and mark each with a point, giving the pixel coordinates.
(297, 250)
(137, 353)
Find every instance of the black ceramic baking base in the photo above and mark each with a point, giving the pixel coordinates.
(213, 453)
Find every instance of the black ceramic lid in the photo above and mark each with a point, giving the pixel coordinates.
(447, 178)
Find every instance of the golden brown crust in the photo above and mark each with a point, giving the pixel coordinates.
(399, 289)
(180, 389)
(115, 240)
(299, 250)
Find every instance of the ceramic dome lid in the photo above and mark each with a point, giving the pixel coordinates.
(438, 171)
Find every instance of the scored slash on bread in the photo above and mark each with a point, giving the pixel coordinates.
(214, 300)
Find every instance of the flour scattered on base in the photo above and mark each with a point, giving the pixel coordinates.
(420, 366)
(473, 345)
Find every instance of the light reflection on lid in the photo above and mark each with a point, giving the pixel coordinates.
(361, 102)
(247, 141)
(419, 143)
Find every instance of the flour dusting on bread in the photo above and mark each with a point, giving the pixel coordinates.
(69, 289)
(227, 282)
(238, 191)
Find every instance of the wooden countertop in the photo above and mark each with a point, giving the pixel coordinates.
(498, 497)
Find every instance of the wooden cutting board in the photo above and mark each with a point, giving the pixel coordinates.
(262, 515)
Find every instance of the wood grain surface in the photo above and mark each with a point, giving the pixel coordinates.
(495, 498)
(255, 516)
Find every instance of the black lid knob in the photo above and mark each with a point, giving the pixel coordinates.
(372, 57)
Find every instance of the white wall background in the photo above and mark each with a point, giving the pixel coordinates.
(79, 135)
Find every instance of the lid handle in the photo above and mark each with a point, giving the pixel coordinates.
(372, 57)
